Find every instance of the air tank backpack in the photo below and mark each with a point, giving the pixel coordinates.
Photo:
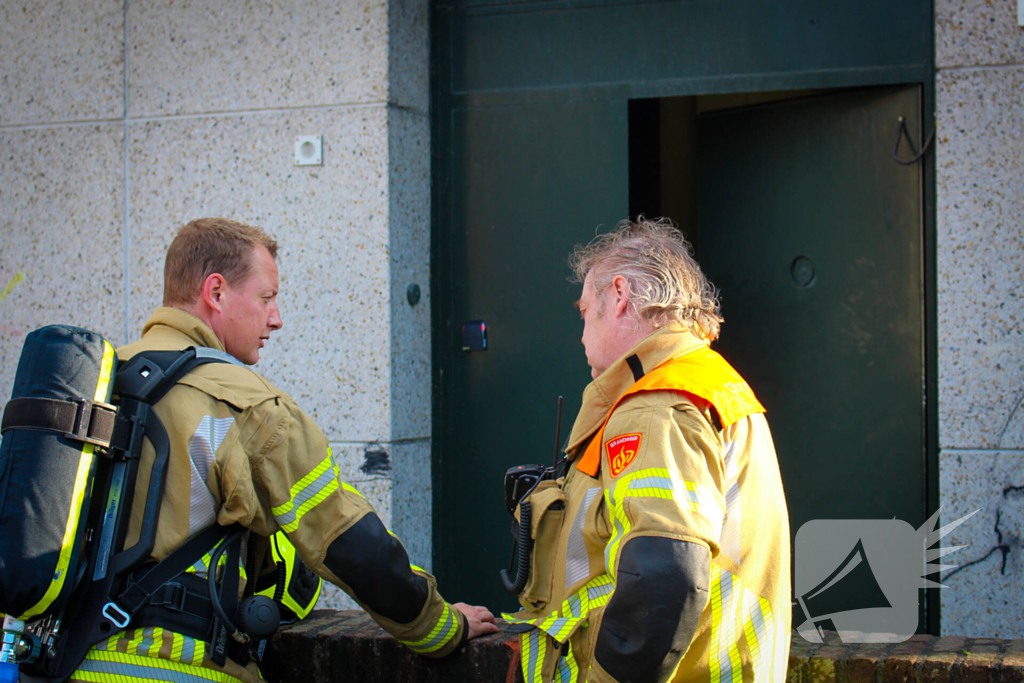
(72, 437)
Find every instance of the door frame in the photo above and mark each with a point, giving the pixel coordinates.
(445, 99)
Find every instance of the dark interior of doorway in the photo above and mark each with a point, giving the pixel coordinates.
(662, 151)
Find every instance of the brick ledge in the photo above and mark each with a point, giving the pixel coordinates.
(349, 646)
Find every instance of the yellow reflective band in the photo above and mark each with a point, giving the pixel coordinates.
(77, 495)
(309, 492)
(532, 648)
(759, 629)
(574, 610)
(567, 671)
(442, 633)
(655, 482)
(724, 651)
(118, 667)
(202, 565)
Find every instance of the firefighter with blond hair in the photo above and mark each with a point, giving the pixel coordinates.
(243, 453)
(662, 543)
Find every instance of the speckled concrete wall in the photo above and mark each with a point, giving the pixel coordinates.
(120, 121)
(979, 52)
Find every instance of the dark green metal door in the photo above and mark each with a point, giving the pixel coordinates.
(814, 235)
(528, 183)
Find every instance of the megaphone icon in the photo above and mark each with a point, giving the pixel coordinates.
(851, 586)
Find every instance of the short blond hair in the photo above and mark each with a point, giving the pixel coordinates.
(666, 284)
(207, 246)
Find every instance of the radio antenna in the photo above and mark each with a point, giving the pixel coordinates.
(558, 431)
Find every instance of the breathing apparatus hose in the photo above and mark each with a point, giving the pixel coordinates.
(524, 545)
(212, 582)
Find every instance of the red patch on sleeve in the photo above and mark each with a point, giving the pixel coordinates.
(622, 450)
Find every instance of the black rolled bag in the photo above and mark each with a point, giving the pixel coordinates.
(65, 378)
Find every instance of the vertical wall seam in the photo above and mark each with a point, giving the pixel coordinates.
(126, 279)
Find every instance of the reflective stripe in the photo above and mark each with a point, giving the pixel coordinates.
(202, 565)
(759, 630)
(207, 352)
(730, 540)
(308, 493)
(655, 482)
(567, 670)
(724, 651)
(577, 562)
(144, 644)
(559, 626)
(202, 449)
(575, 609)
(442, 633)
(117, 667)
(77, 495)
(532, 656)
(156, 643)
(533, 650)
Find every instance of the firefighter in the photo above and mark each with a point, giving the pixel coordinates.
(662, 554)
(243, 452)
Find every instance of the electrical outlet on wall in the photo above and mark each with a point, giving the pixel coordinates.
(309, 150)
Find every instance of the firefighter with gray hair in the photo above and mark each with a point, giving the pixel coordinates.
(661, 544)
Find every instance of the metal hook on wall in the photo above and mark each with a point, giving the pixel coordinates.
(899, 136)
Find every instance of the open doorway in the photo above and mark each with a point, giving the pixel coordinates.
(813, 234)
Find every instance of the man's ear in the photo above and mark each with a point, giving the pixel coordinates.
(619, 291)
(213, 291)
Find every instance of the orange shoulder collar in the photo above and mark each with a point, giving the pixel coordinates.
(702, 373)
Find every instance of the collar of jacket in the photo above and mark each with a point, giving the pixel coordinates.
(174, 323)
(601, 394)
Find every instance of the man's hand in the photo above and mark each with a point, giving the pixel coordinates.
(479, 620)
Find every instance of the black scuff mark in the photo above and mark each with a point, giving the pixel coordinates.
(1009, 419)
(377, 460)
(1001, 547)
(1012, 489)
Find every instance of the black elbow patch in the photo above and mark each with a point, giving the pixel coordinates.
(375, 566)
(661, 589)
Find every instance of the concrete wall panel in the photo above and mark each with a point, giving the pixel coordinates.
(197, 56)
(63, 60)
(980, 268)
(61, 247)
(977, 33)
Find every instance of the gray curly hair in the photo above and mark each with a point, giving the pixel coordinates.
(665, 283)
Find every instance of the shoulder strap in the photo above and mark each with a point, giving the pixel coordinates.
(97, 610)
(183, 557)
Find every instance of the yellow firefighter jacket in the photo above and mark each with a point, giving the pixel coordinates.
(243, 452)
(683, 453)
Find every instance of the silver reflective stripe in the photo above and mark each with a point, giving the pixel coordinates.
(140, 672)
(577, 563)
(443, 633)
(202, 448)
(148, 641)
(305, 494)
(188, 649)
(730, 540)
(206, 352)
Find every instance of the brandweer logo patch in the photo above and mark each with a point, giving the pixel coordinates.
(622, 450)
